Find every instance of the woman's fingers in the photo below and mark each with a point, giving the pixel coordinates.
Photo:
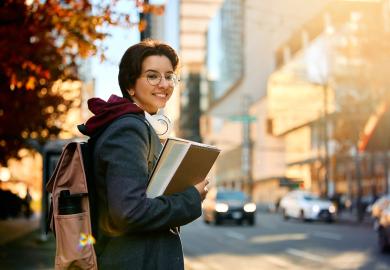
(202, 188)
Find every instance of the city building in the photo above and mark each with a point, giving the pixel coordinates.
(323, 72)
(183, 25)
(194, 18)
(242, 40)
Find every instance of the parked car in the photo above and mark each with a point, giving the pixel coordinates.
(221, 205)
(383, 229)
(377, 207)
(307, 206)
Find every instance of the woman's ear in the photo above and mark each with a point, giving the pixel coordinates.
(131, 92)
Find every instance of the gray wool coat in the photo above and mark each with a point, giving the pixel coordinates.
(142, 231)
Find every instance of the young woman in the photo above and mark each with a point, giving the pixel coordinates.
(137, 232)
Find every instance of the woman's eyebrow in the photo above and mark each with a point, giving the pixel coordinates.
(153, 70)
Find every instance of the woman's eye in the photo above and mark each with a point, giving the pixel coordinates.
(170, 77)
(152, 76)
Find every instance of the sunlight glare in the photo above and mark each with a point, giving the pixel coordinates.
(278, 238)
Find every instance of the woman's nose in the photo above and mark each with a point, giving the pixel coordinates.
(164, 82)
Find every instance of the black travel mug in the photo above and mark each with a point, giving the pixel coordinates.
(69, 204)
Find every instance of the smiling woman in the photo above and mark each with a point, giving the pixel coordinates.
(136, 232)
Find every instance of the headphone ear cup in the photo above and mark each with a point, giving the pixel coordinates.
(164, 124)
(161, 124)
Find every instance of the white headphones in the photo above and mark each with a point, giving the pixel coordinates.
(160, 123)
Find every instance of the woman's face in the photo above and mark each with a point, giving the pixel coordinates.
(155, 85)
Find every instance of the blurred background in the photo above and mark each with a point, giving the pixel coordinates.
(296, 93)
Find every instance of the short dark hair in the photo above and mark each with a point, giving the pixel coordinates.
(130, 67)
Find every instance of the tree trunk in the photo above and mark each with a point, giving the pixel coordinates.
(358, 175)
(386, 169)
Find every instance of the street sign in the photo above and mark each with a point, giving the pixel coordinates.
(243, 118)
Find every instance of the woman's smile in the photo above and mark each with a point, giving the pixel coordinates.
(160, 95)
(152, 92)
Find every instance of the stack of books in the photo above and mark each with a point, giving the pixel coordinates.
(181, 164)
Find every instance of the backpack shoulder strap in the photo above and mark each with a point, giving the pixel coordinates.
(152, 141)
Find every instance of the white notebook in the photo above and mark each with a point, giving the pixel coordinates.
(181, 164)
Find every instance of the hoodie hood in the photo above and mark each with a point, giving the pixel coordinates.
(105, 112)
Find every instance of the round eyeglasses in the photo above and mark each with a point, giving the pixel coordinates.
(154, 78)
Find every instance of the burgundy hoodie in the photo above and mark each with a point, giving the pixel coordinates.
(106, 112)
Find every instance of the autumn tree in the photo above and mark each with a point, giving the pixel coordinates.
(363, 84)
(362, 88)
(41, 42)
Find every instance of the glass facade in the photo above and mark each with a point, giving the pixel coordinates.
(294, 102)
(224, 48)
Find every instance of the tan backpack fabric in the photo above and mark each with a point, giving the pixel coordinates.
(71, 216)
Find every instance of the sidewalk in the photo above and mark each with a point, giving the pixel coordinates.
(11, 229)
(350, 218)
(21, 247)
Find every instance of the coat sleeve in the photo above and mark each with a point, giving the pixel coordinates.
(123, 154)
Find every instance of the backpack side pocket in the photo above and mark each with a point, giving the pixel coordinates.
(75, 250)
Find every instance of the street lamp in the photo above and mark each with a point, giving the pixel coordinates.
(5, 174)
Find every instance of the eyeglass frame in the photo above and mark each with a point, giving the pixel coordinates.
(175, 82)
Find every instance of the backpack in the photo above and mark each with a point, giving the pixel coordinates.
(73, 215)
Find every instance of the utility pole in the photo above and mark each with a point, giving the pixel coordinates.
(326, 141)
(246, 159)
(146, 33)
(246, 155)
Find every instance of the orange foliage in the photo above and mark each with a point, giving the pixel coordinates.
(41, 41)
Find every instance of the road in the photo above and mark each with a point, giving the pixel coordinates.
(277, 244)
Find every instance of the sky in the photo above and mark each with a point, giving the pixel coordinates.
(106, 73)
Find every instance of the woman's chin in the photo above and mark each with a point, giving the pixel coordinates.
(161, 104)
(155, 109)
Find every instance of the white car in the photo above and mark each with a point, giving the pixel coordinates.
(307, 206)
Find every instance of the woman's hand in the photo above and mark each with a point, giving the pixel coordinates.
(202, 188)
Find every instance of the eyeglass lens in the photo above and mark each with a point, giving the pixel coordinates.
(154, 78)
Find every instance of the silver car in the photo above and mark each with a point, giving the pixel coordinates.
(307, 206)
